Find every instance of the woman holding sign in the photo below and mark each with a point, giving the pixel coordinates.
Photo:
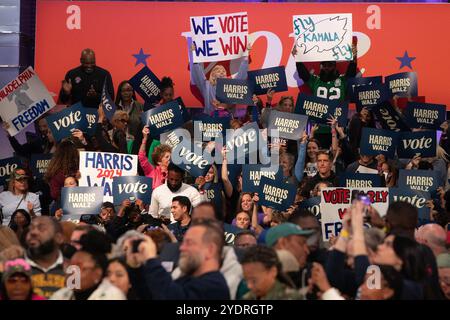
(114, 140)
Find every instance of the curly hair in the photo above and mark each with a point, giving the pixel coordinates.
(159, 152)
(65, 160)
(166, 82)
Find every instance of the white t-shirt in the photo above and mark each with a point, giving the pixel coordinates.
(9, 203)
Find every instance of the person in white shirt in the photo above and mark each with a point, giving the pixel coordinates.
(162, 196)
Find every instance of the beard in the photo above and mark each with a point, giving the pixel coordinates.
(44, 249)
(189, 263)
(328, 76)
(174, 189)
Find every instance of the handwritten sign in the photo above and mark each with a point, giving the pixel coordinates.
(317, 109)
(162, 119)
(132, 188)
(234, 91)
(219, 37)
(269, 78)
(402, 84)
(421, 143)
(336, 201)
(378, 141)
(147, 84)
(425, 115)
(420, 180)
(24, 100)
(323, 37)
(64, 122)
(287, 125)
(39, 164)
(100, 168)
(81, 200)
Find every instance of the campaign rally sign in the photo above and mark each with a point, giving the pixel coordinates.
(230, 233)
(317, 109)
(389, 118)
(425, 115)
(353, 83)
(276, 194)
(192, 157)
(7, 166)
(336, 201)
(208, 128)
(64, 122)
(213, 192)
(24, 100)
(184, 112)
(252, 173)
(100, 168)
(132, 188)
(39, 164)
(402, 84)
(234, 91)
(341, 113)
(369, 96)
(108, 105)
(414, 197)
(147, 84)
(243, 143)
(91, 117)
(312, 205)
(270, 78)
(421, 143)
(219, 37)
(286, 125)
(378, 141)
(323, 37)
(234, 170)
(420, 180)
(360, 180)
(162, 119)
(175, 137)
(81, 200)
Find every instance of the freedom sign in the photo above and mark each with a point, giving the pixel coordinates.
(39, 164)
(425, 115)
(132, 188)
(323, 37)
(147, 84)
(269, 78)
(420, 180)
(252, 173)
(276, 194)
(287, 125)
(100, 168)
(7, 166)
(24, 100)
(317, 109)
(402, 84)
(234, 91)
(81, 200)
(378, 141)
(219, 37)
(162, 119)
(353, 83)
(336, 201)
(421, 143)
(64, 122)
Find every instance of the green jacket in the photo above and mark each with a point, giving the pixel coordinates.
(279, 291)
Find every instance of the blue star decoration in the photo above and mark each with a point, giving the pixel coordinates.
(406, 60)
(141, 57)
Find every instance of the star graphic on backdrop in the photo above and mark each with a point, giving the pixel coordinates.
(406, 60)
(141, 57)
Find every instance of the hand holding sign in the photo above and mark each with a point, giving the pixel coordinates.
(67, 86)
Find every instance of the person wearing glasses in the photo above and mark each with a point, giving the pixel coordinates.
(126, 101)
(114, 140)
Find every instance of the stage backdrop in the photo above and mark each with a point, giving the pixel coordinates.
(392, 38)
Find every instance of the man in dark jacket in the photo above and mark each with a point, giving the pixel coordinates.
(324, 172)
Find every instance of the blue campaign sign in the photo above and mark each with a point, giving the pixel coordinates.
(234, 170)
(421, 143)
(317, 109)
(389, 118)
(64, 122)
(184, 111)
(147, 84)
(416, 198)
(7, 166)
(230, 233)
(81, 200)
(425, 115)
(286, 125)
(162, 119)
(193, 158)
(360, 180)
(378, 141)
(108, 105)
(91, 117)
(243, 143)
(209, 128)
(39, 164)
(132, 188)
(252, 173)
(341, 113)
(402, 84)
(213, 192)
(420, 180)
(234, 91)
(312, 205)
(369, 96)
(270, 78)
(276, 194)
(353, 83)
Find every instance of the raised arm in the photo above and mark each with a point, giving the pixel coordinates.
(303, 73)
(227, 186)
(300, 164)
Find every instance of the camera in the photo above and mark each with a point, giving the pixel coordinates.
(135, 245)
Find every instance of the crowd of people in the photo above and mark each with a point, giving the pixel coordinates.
(175, 246)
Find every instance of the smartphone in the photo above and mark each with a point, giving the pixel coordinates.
(366, 201)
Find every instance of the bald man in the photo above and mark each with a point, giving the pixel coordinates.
(433, 236)
(85, 82)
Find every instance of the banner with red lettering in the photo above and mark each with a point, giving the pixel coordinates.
(335, 201)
